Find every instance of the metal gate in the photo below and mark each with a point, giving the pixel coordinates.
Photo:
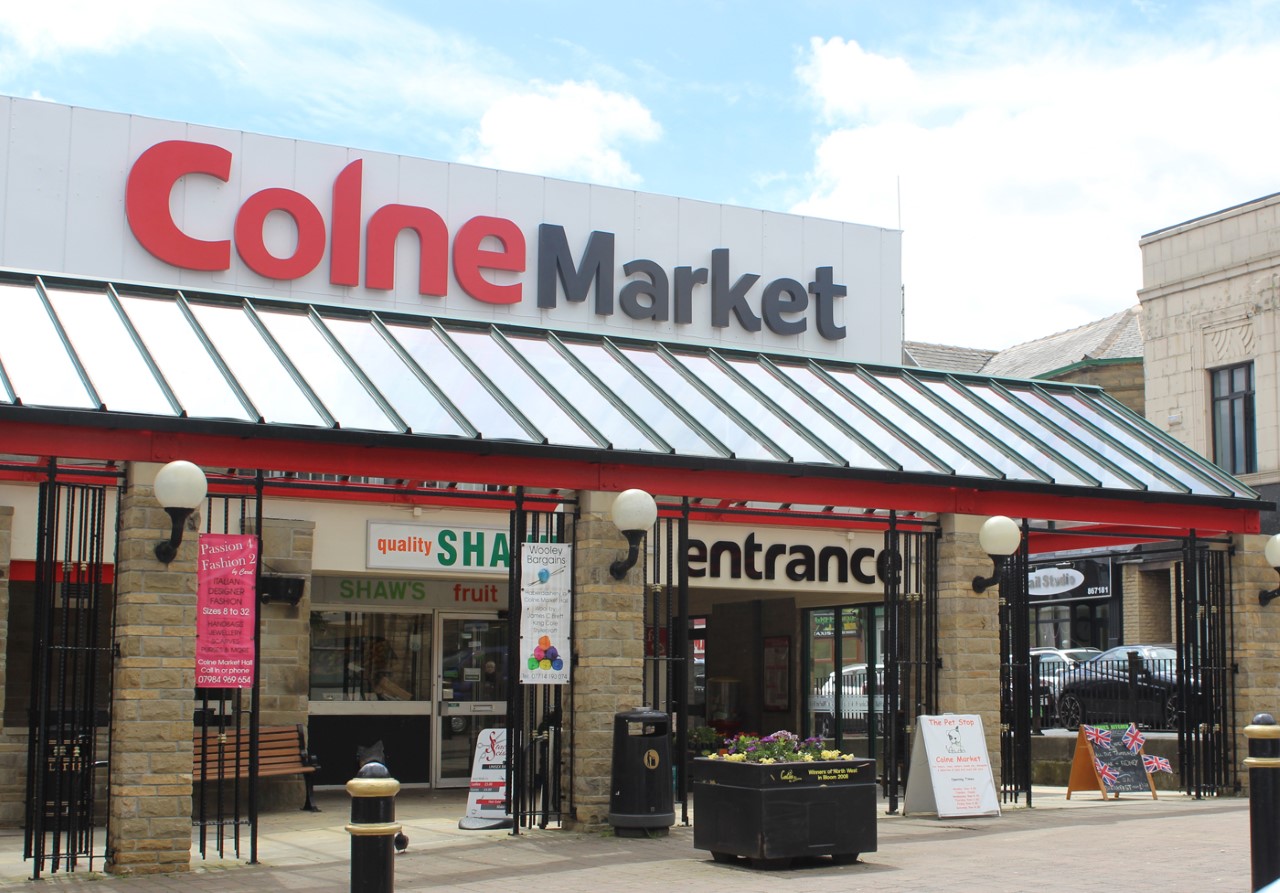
(70, 705)
(666, 638)
(535, 713)
(1206, 664)
(1204, 637)
(1016, 695)
(908, 570)
(909, 573)
(225, 809)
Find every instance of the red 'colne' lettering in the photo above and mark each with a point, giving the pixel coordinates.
(158, 169)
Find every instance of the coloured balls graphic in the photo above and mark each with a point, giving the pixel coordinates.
(543, 576)
(545, 656)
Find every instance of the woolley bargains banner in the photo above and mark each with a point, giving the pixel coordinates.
(226, 610)
(545, 611)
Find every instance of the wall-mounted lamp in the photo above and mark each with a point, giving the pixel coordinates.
(180, 489)
(634, 512)
(1272, 551)
(999, 537)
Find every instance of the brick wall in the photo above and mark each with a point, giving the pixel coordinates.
(1257, 629)
(1148, 603)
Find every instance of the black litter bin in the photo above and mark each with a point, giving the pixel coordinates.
(641, 798)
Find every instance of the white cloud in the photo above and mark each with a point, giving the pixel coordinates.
(320, 67)
(1026, 182)
(564, 130)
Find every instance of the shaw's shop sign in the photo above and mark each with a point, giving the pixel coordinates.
(119, 197)
(430, 547)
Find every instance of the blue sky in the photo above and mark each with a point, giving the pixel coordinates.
(1023, 148)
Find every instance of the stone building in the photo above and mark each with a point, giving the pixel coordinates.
(394, 399)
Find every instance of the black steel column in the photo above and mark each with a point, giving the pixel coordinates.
(1263, 763)
(373, 829)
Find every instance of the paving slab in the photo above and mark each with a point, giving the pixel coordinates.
(1172, 844)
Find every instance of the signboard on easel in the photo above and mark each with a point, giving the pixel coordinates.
(1110, 759)
(950, 769)
(487, 798)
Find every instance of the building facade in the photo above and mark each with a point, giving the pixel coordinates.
(398, 376)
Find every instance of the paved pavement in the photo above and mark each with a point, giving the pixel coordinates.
(1172, 845)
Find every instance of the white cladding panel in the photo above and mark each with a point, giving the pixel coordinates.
(65, 170)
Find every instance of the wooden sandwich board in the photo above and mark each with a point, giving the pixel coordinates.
(1104, 762)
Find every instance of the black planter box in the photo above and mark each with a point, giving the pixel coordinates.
(773, 813)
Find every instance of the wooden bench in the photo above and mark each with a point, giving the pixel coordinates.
(282, 750)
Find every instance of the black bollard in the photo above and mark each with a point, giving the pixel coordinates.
(373, 829)
(1264, 798)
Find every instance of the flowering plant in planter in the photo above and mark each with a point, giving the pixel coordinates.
(780, 747)
(770, 799)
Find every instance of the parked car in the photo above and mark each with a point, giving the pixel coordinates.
(1052, 663)
(1100, 690)
(854, 699)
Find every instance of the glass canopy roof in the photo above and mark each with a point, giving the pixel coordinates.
(96, 346)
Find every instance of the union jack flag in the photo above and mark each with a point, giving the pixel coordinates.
(1133, 739)
(1098, 736)
(1105, 772)
(1155, 764)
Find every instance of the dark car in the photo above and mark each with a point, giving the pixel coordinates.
(1104, 689)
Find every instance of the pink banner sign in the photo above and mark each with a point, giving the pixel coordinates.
(226, 605)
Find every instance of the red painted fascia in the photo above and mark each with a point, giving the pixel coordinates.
(800, 485)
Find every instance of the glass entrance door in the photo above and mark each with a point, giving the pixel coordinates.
(471, 679)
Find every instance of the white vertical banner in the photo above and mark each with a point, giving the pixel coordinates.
(546, 608)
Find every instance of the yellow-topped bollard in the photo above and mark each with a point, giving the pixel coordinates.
(1263, 763)
(373, 829)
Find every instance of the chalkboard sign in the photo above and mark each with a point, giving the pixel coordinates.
(1110, 759)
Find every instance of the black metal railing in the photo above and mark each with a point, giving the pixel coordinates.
(1142, 690)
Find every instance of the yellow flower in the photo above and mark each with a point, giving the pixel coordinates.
(736, 757)
(768, 760)
(808, 758)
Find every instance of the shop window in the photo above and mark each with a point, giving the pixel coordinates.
(370, 657)
(1234, 443)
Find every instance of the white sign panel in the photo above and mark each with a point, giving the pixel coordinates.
(487, 797)
(950, 770)
(127, 198)
(447, 548)
(794, 559)
(546, 610)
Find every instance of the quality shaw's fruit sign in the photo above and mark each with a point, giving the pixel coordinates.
(158, 202)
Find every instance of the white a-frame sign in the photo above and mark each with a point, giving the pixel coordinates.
(950, 770)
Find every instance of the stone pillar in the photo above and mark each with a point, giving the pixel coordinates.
(286, 639)
(152, 697)
(968, 631)
(608, 674)
(1257, 633)
(285, 655)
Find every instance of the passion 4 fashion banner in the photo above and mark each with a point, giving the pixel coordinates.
(546, 607)
(226, 610)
